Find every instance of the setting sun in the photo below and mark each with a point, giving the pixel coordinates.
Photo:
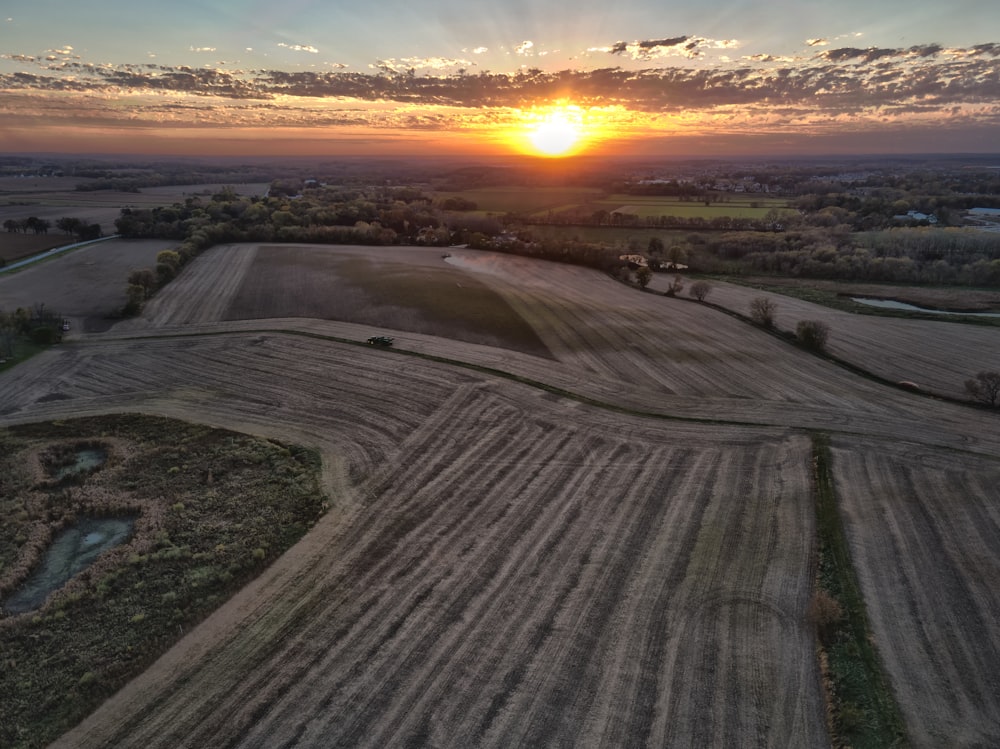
(553, 132)
(556, 135)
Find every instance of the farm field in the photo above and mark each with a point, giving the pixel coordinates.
(735, 206)
(86, 285)
(925, 530)
(53, 198)
(535, 200)
(14, 246)
(938, 356)
(608, 542)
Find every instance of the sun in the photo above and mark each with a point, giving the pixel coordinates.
(553, 131)
(555, 135)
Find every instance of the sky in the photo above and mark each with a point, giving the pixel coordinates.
(450, 77)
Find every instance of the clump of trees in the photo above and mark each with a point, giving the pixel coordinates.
(39, 325)
(984, 388)
(812, 334)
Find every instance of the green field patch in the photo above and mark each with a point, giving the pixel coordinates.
(501, 200)
(211, 509)
(651, 206)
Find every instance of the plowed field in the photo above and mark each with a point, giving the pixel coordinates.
(606, 541)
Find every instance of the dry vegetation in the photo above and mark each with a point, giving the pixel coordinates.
(543, 550)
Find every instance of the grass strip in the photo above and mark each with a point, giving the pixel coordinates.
(862, 708)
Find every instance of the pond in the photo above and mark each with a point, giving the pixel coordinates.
(72, 551)
(85, 459)
(892, 304)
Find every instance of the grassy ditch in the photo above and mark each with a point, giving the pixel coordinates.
(213, 508)
(862, 710)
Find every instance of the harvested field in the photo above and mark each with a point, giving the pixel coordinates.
(86, 285)
(572, 579)
(610, 547)
(19, 245)
(924, 531)
(938, 356)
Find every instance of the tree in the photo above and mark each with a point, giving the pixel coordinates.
(643, 275)
(145, 278)
(677, 255)
(69, 225)
(655, 246)
(699, 290)
(762, 311)
(676, 286)
(812, 334)
(12, 226)
(985, 388)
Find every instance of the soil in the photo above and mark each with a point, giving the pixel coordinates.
(86, 285)
(609, 547)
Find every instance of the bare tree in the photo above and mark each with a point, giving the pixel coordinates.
(985, 388)
(699, 290)
(676, 286)
(762, 310)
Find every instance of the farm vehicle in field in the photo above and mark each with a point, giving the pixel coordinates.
(380, 340)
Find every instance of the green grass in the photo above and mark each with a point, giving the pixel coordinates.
(734, 207)
(215, 507)
(609, 235)
(864, 710)
(23, 350)
(502, 200)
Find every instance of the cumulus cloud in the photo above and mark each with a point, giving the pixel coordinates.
(202, 49)
(678, 46)
(817, 42)
(524, 48)
(299, 47)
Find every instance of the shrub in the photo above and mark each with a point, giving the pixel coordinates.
(812, 334)
(644, 276)
(985, 388)
(762, 311)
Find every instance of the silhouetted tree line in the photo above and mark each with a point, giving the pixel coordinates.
(67, 225)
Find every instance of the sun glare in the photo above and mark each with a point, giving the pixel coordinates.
(554, 132)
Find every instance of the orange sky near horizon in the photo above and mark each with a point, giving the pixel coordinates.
(840, 78)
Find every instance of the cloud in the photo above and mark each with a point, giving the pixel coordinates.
(817, 42)
(678, 46)
(849, 84)
(299, 48)
(524, 48)
(202, 49)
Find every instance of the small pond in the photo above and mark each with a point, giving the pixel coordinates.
(891, 304)
(72, 551)
(86, 459)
